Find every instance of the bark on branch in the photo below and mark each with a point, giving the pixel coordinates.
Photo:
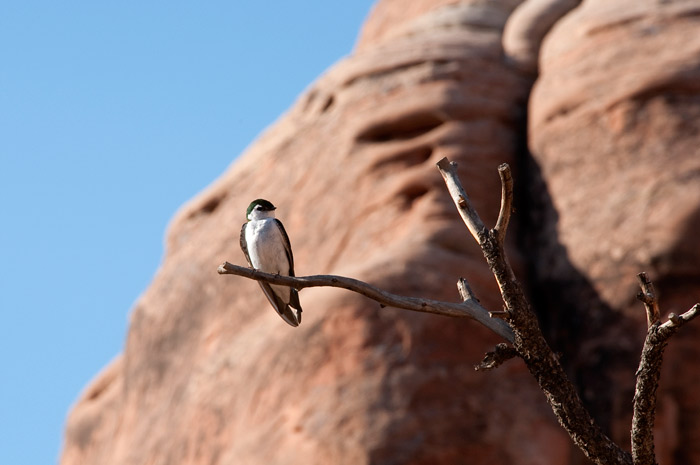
(470, 308)
(649, 371)
(506, 202)
(529, 341)
(648, 297)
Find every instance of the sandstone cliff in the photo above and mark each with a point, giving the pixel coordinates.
(209, 373)
(614, 132)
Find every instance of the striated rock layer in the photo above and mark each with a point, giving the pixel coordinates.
(211, 375)
(615, 132)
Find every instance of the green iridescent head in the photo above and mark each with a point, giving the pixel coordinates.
(259, 205)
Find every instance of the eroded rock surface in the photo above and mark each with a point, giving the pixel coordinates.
(615, 132)
(210, 374)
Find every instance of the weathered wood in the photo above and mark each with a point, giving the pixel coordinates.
(529, 341)
(467, 309)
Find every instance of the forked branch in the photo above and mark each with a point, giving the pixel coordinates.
(649, 371)
(518, 324)
(529, 341)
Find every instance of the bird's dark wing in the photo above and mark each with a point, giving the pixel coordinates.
(280, 307)
(294, 294)
(284, 310)
(244, 244)
(287, 246)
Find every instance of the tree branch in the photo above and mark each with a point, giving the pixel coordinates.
(648, 297)
(502, 353)
(529, 341)
(468, 309)
(649, 371)
(521, 328)
(465, 291)
(506, 201)
(471, 219)
(464, 206)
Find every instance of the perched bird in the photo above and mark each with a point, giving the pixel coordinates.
(266, 246)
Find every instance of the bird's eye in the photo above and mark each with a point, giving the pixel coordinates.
(258, 207)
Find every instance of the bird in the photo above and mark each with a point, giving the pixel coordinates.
(266, 247)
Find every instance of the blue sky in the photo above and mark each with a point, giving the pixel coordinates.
(112, 115)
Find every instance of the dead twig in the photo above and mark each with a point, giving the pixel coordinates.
(502, 353)
(648, 297)
(649, 371)
(506, 202)
(465, 291)
(467, 309)
(529, 341)
(464, 206)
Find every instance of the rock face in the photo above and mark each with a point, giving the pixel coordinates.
(211, 375)
(615, 133)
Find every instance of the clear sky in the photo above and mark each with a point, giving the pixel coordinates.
(112, 115)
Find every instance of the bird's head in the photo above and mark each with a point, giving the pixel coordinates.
(259, 209)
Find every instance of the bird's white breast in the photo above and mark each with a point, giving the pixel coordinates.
(266, 246)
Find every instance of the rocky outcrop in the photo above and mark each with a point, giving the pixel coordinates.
(615, 132)
(211, 375)
(527, 27)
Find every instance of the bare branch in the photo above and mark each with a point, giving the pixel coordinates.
(676, 321)
(502, 353)
(475, 225)
(465, 291)
(466, 210)
(529, 341)
(648, 297)
(506, 201)
(517, 324)
(467, 309)
(649, 372)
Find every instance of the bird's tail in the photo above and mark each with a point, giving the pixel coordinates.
(295, 304)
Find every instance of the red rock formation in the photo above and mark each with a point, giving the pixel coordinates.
(615, 130)
(211, 375)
